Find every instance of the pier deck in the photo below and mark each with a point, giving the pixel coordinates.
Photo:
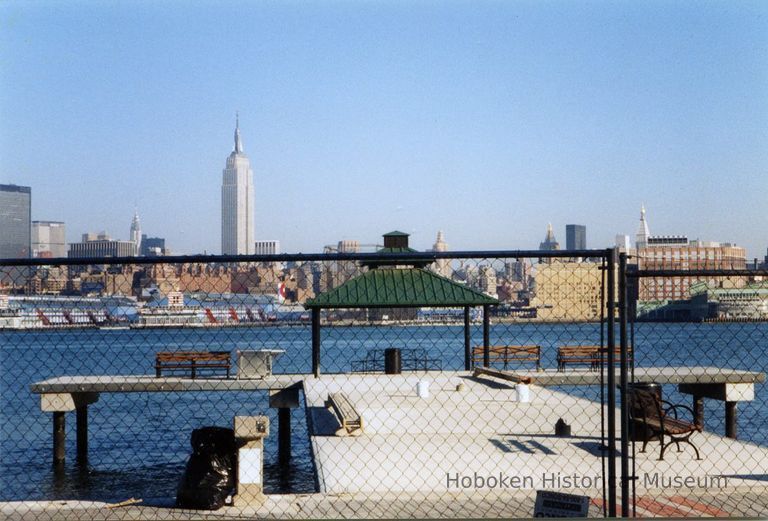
(413, 445)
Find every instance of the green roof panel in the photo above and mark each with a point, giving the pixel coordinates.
(393, 287)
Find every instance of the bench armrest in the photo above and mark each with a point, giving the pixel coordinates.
(672, 408)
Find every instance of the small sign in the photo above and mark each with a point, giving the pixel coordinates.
(557, 504)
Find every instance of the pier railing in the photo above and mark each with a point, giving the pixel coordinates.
(457, 393)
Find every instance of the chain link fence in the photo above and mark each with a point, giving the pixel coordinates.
(387, 384)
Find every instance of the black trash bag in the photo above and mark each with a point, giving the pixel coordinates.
(210, 474)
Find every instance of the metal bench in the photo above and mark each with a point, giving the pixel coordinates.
(651, 420)
(350, 419)
(192, 361)
(508, 354)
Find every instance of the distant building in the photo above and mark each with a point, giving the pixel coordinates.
(442, 266)
(15, 222)
(678, 253)
(267, 248)
(100, 246)
(641, 237)
(152, 246)
(575, 237)
(550, 243)
(623, 243)
(135, 235)
(49, 239)
(237, 202)
(567, 291)
(348, 246)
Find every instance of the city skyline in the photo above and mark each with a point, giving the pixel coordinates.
(485, 123)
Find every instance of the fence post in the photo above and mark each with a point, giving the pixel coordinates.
(623, 383)
(467, 340)
(486, 335)
(316, 342)
(611, 382)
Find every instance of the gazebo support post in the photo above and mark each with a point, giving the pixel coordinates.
(316, 342)
(467, 340)
(486, 336)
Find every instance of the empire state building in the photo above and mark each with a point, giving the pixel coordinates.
(237, 236)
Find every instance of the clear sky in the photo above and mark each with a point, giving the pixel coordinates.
(482, 119)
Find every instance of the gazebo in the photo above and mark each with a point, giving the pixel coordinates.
(400, 284)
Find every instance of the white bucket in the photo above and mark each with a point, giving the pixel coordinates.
(422, 389)
(523, 393)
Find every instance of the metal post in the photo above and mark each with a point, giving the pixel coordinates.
(59, 438)
(698, 410)
(316, 342)
(284, 435)
(82, 433)
(467, 340)
(730, 419)
(611, 383)
(486, 336)
(625, 476)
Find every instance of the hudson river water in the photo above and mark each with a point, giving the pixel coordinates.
(139, 442)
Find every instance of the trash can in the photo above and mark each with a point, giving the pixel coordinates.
(393, 363)
(637, 429)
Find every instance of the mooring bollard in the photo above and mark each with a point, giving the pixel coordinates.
(250, 432)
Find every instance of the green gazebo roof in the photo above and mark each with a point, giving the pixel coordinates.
(397, 287)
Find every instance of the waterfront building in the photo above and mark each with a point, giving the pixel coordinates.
(575, 237)
(15, 221)
(135, 235)
(237, 202)
(49, 239)
(267, 247)
(641, 237)
(568, 291)
(348, 246)
(678, 253)
(550, 243)
(746, 303)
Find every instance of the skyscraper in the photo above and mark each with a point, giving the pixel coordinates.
(49, 239)
(237, 202)
(575, 237)
(550, 243)
(641, 239)
(135, 236)
(15, 222)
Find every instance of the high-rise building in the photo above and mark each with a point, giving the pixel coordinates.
(641, 238)
(152, 246)
(267, 248)
(237, 202)
(575, 237)
(550, 243)
(442, 266)
(15, 222)
(49, 239)
(135, 235)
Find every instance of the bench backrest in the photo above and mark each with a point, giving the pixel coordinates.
(508, 350)
(189, 356)
(645, 405)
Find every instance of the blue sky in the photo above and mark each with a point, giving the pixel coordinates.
(482, 119)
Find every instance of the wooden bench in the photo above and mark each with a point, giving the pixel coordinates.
(191, 361)
(592, 355)
(507, 354)
(351, 420)
(651, 421)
